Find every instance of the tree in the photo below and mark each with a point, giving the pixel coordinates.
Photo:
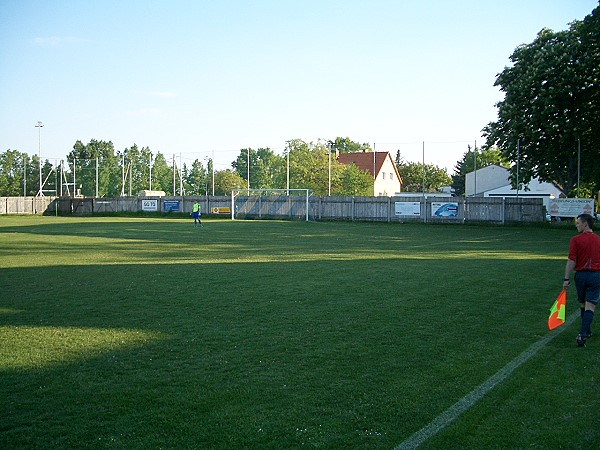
(308, 166)
(12, 167)
(162, 175)
(267, 170)
(138, 163)
(399, 160)
(412, 177)
(228, 180)
(551, 107)
(196, 180)
(475, 158)
(354, 181)
(346, 145)
(81, 169)
(33, 175)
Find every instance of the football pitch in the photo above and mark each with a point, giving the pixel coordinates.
(131, 332)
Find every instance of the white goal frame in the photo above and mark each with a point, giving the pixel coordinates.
(259, 192)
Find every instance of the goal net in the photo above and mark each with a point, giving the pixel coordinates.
(270, 203)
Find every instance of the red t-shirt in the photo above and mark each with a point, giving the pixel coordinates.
(584, 249)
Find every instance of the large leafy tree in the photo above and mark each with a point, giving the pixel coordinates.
(308, 166)
(138, 166)
(196, 180)
(346, 145)
(353, 181)
(313, 167)
(412, 177)
(551, 107)
(267, 170)
(12, 171)
(413, 173)
(227, 180)
(32, 174)
(162, 175)
(81, 167)
(475, 158)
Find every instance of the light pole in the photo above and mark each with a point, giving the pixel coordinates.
(329, 147)
(248, 167)
(578, 164)
(210, 164)
(150, 168)
(39, 126)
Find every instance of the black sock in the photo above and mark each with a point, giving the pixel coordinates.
(582, 310)
(586, 322)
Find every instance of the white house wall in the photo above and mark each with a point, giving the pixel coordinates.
(387, 183)
(487, 178)
(535, 189)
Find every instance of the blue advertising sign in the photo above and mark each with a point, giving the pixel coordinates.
(171, 205)
(444, 209)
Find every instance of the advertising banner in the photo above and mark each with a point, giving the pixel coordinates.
(223, 210)
(444, 209)
(149, 205)
(171, 205)
(570, 207)
(408, 209)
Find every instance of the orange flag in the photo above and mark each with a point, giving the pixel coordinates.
(557, 312)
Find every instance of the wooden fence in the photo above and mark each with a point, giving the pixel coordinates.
(389, 209)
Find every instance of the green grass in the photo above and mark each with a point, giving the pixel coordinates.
(148, 333)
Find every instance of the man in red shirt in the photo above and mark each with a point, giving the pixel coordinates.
(584, 259)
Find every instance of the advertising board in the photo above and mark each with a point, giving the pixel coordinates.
(444, 209)
(570, 207)
(149, 205)
(171, 205)
(408, 209)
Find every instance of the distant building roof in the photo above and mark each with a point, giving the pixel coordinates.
(366, 161)
(149, 193)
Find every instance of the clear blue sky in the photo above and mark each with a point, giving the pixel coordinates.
(197, 78)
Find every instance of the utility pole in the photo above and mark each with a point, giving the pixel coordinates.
(39, 126)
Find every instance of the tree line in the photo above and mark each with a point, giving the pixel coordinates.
(96, 168)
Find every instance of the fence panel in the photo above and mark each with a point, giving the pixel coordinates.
(371, 208)
(523, 210)
(336, 208)
(432, 209)
(485, 209)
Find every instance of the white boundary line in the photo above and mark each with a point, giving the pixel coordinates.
(469, 400)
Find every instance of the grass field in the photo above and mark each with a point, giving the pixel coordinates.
(149, 333)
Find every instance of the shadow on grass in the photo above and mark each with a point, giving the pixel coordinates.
(324, 352)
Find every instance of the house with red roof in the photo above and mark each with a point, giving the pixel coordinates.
(380, 165)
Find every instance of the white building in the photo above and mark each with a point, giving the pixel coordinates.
(494, 181)
(380, 165)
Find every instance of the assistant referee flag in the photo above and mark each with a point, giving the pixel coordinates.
(557, 312)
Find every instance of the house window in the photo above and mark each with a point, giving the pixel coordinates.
(383, 173)
(391, 176)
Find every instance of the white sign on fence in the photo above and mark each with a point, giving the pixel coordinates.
(149, 205)
(408, 208)
(570, 207)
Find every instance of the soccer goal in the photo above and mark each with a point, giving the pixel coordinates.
(266, 203)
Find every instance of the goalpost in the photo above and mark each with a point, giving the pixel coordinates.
(263, 193)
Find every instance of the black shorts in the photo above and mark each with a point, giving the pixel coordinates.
(588, 286)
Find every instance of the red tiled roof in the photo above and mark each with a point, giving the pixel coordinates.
(364, 160)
